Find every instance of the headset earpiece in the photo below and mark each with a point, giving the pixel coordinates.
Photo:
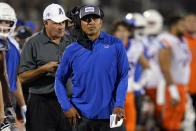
(102, 13)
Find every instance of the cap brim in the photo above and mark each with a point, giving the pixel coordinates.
(89, 13)
(59, 19)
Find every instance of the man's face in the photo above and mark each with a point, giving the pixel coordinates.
(91, 24)
(190, 23)
(122, 33)
(4, 26)
(55, 30)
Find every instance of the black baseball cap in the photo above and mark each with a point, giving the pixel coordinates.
(88, 10)
(24, 32)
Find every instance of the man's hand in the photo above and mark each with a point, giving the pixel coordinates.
(174, 102)
(72, 114)
(119, 111)
(50, 67)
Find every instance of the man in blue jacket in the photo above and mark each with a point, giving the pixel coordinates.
(99, 75)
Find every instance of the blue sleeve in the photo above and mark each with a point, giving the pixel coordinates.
(123, 69)
(62, 75)
(12, 62)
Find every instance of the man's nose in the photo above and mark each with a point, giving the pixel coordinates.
(90, 20)
(61, 25)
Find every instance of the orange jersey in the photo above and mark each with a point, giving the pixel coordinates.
(192, 46)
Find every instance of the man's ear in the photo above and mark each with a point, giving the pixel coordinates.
(45, 22)
(101, 22)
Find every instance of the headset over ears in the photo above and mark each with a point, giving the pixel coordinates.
(74, 12)
(102, 13)
(76, 31)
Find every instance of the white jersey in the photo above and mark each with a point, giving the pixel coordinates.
(14, 42)
(152, 46)
(181, 57)
(133, 53)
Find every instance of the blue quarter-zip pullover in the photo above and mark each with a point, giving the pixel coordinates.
(99, 77)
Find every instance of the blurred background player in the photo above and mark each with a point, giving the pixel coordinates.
(7, 25)
(22, 34)
(12, 61)
(174, 59)
(123, 30)
(141, 70)
(190, 36)
(156, 84)
(129, 31)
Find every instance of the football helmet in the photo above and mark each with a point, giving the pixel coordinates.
(7, 13)
(154, 22)
(138, 22)
(129, 19)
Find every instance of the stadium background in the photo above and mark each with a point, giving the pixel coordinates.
(31, 10)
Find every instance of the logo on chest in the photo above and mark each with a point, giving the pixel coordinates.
(106, 46)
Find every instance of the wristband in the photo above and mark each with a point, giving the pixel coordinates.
(174, 92)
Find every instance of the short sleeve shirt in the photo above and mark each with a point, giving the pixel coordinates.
(37, 51)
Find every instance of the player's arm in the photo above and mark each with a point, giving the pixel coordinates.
(20, 99)
(146, 73)
(2, 113)
(4, 79)
(165, 58)
(19, 94)
(144, 62)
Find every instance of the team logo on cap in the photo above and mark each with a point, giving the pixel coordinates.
(60, 11)
(89, 9)
(48, 14)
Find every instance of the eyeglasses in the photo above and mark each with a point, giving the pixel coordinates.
(89, 18)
